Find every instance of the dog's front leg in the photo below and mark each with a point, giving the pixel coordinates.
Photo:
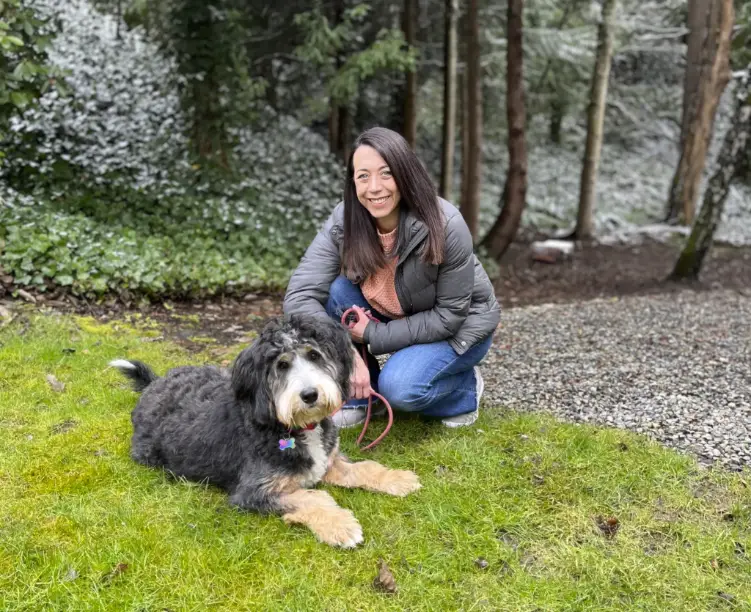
(319, 511)
(371, 476)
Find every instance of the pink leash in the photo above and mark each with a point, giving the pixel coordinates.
(347, 313)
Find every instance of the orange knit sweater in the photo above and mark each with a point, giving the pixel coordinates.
(379, 288)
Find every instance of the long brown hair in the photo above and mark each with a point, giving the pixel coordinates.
(362, 253)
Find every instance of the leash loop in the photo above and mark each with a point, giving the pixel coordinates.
(348, 322)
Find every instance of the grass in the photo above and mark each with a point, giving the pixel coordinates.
(82, 527)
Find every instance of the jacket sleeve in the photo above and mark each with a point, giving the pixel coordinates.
(308, 289)
(456, 276)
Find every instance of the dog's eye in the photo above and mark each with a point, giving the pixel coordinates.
(283, 365)
(314, 356)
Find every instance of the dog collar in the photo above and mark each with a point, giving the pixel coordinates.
(289, 441)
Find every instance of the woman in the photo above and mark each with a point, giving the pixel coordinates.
(395, 250)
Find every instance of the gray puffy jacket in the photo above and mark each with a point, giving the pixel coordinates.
(452, 301)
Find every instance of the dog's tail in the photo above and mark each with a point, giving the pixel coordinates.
(140, 375)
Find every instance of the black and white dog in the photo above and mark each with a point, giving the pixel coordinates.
(261, 430)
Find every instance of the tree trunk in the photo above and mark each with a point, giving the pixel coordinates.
(464, 118)
(449, 98)
(557, 113)
(470, 205)
(410, 101)
(713, 77)
(513, 200)
(345, 133)
(335, 111)
(697, 31)
(733, 157)
(595, 121)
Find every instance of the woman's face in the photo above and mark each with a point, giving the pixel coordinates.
(376, 188)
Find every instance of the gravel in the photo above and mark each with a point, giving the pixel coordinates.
(675, 367)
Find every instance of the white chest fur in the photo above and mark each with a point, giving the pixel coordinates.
(314, 443)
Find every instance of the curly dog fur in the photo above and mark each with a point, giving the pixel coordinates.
(262, 430)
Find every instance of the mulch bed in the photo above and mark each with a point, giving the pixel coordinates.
(593, 271)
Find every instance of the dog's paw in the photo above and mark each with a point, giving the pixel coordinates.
(399, 483)
(342, 529)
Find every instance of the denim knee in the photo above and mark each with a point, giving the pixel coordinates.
(403, 395)
(342, 294)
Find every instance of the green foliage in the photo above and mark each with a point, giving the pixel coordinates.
(197, 246)
(24, 70)
(326, 43)
(522, 492)
(207, 39)
(741, 49)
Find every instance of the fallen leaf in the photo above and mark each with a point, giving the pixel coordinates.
(119, 569)
(56, 385)
(608, 526)
(714, 564)
(384, 581)
(63, 426)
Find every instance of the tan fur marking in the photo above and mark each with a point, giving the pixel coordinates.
(279, 485)
(371, 476)
(318, 510)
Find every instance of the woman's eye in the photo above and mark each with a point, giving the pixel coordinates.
(386, 174)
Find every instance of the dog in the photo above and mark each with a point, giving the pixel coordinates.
(262, 430)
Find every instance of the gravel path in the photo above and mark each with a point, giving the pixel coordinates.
(676, 367)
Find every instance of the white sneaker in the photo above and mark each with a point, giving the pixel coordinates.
(463, 420)
(352, 417)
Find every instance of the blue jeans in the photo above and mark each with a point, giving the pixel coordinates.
(430, 379)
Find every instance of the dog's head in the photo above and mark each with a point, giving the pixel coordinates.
(296, 372)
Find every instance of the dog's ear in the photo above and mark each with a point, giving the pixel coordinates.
(250, 381)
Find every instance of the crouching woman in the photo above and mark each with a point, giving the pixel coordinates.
(396, 251)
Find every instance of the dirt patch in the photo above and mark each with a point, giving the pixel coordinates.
(606, 271)
(593, 271)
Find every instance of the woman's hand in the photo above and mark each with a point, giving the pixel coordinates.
(357, 331)
(360, 379)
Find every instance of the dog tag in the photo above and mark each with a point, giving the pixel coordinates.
(286, 443)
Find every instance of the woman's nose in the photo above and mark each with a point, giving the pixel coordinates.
(374, 184)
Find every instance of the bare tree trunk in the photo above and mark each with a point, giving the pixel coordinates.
(449, 98)
(470, 205)
(733, 157)
(714, 76)
(515, 190)
(345, 132)
(595, 121)
(697, 31)
(335, 112)
(333, 127)
(410, 101)
(464, 118)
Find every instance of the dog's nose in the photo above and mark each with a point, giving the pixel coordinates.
(309, 395)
